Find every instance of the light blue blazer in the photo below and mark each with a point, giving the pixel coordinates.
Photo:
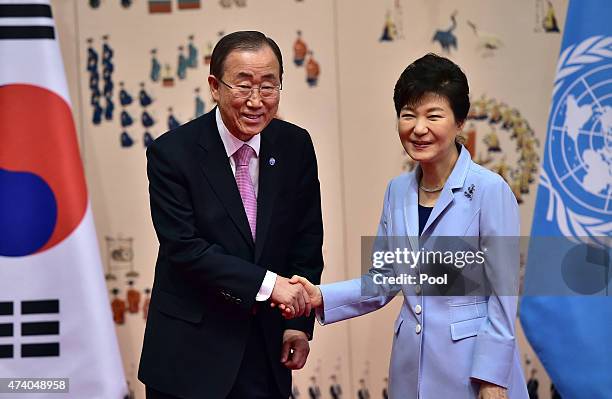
(442, 343)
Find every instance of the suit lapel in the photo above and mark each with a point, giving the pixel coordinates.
(216, 167)
(445, 199)
(270, 164)
(454, 182)
(411, 211)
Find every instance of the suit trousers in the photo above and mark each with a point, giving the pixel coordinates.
(255, 379)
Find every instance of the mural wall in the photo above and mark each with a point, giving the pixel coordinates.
(138, 68)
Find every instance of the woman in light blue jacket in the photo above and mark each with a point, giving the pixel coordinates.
(448, 343)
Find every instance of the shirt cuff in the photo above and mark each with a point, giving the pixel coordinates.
(266, 287)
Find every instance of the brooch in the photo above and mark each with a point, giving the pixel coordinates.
(469, 192)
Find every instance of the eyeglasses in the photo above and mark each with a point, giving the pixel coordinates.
(246, 91)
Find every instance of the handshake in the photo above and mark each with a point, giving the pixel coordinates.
(295, 297)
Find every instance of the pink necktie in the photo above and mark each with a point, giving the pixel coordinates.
(245, 184)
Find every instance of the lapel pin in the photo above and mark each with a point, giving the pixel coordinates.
(470, 192)
(272, 161)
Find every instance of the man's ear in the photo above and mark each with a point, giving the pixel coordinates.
(213, 83)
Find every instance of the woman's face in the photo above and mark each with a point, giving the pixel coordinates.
(428, 130)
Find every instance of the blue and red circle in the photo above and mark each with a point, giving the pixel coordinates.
(43, 196)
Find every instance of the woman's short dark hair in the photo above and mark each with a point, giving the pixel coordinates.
(241, 41)
(433, 74)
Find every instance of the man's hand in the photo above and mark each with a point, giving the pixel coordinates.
(291, 299)
(492, 391)
(295, 349)
(313, 291)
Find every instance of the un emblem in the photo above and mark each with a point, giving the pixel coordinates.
(579, 165)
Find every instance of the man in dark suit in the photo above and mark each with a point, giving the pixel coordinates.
(236, 206)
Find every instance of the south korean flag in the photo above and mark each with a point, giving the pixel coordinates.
(55, 319)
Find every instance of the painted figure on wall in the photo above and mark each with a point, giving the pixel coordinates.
(314, 392)
(96, 118)
(335, 390)
(173, 123)
(192, 51)
(146, 119)
(110, 108)
(107, 76)
(147, 139)
(492, 141)
(118, 308)
(488, 43)
(126, 140)
(155, 66)
(389, 30)
(109, 85)
(126, 119)
(312, 70)
(364, 392)
(447, 38)
(299, 50)
(181, 69)
(143, 97)
(550, 20)
(133, 298)
(94, 80)
(92, 57)
(107, 51)
(125, 98)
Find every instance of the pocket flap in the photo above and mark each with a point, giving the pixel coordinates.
(466, 328)
(178, 307)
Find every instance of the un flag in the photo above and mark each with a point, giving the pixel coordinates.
(566, 309)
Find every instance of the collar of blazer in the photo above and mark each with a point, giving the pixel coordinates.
(216, 168)
(455, 181)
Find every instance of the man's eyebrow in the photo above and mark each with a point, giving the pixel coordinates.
(245, 75)
(432, 109)
(250, 75)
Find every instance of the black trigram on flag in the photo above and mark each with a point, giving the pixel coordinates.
(26, 21)
(30, 327)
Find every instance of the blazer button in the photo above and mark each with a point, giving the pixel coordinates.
(418, 329)
(418, 309)
(417, 289)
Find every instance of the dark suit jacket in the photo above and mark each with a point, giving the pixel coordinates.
(208, 269)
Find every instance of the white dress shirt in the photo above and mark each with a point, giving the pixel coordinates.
(233, 144)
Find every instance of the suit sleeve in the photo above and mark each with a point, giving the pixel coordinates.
(351, 298)
(306, 257)
(203, 264)
(499, 233)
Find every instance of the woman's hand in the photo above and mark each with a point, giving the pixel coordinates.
(316, 298)
(492, 391)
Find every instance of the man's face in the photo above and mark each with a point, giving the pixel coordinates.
(247, 117)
